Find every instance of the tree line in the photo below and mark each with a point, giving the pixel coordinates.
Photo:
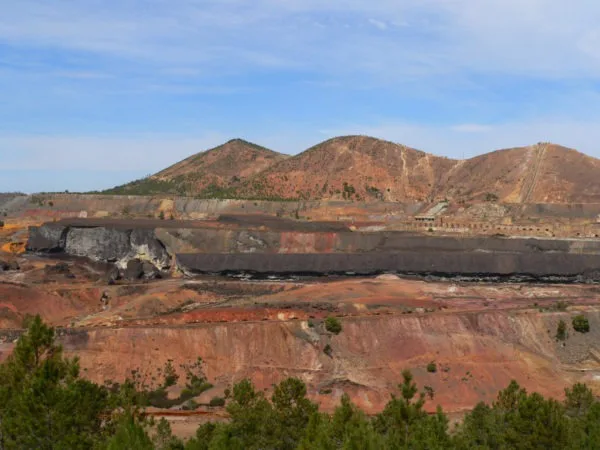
(46, 404)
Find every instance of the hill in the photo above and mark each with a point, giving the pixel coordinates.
(363, 168)
(213, 173)
(541, 173)
(352, 168)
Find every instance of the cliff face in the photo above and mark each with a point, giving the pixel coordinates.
(113, 245)
(477, 354)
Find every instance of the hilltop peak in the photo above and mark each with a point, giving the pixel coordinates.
(210, 173)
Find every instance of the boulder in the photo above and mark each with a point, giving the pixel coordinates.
(134, 269)
(150, 271)
(60, 268)
(113, 275)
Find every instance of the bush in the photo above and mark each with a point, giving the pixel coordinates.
(217, 401)
(190, 405)
(328, 350)
(491, 197)
(333, 325)
(432, 367)
(561, 331)
(581, 324)
(561, 305)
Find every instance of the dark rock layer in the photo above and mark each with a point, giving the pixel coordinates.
(469, 265)
(205, 250)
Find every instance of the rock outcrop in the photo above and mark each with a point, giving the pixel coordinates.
(49, 238)
(103, 244)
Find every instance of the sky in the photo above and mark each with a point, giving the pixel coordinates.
(94, 93)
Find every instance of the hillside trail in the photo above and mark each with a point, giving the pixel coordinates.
(529, 186)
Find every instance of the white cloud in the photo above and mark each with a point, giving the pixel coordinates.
(546, 38)
(378, 24)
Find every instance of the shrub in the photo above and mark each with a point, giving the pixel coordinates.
(561, 305)
(429, 392)
(161, 215)
(491, 197)
(581, 324)
(217, 401)
(328, 350)
(190, 405)
(170, 375)
(432, 367)
(561, 331)
(333, 325)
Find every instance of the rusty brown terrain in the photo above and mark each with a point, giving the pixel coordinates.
(480, 334)
(366, 169)
(208, 173)
(354, 167)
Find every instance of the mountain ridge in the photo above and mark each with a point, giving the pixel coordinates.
(365, 168)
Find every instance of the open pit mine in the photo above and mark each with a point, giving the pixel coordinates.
(247, 286)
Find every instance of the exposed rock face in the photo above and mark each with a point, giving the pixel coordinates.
(48, 238)
(147, 247)
(134, 270)
(370, 354)
(100, 244)
(149, 271)
(113, 275)
(285, 252)
(104, 244)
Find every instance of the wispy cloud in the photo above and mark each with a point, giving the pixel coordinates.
(378, 24)
(452, 77)
(509, 36)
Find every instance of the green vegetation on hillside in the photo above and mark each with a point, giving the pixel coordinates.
(333, 325)
(45, 404)
(581, 324)
(148, 186)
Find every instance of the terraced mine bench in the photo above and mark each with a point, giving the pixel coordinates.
(287, 247)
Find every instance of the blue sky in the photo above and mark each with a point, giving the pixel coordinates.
(94, 93)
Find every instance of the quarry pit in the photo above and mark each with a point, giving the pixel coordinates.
(249, 293)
